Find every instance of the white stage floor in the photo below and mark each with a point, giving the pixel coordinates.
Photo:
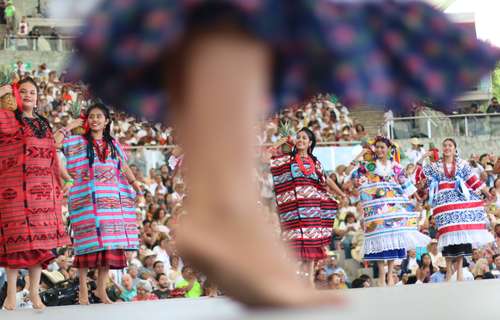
(477, 300)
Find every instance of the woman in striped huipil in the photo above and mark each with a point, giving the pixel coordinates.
(101, 200)
(457, 207)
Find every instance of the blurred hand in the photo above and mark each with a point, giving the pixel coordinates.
(137, 187)
(5, 90)
(75, 124)
(65, 189)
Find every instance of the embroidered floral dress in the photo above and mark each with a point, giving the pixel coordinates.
(390, 222)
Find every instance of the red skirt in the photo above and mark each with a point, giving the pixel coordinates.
(112, 259)
(26, 259)
(310, 253)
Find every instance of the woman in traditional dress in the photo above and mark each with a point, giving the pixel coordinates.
(305, 208)
(31, 222)
(457, 207)
(213, 66)
(390, 224)
(101, 200)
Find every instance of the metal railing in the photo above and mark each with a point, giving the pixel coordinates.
(463, 125)
(153, 157)
(41, 43)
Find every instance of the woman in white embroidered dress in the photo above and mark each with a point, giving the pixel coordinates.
(457, 207)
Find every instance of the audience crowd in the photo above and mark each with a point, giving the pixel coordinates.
(157, 271)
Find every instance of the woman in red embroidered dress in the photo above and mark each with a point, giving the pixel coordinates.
(305, 208)
(30, 193)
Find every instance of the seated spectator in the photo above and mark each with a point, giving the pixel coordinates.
(336, 281)
(353, 193)
(486, 276)
(432, 227)
(321, 279)
(126, 291)
(345, 134)
(174, 274)
(189, 283)
(178, 195)
(158, 268)
(360, 283)
(403, 280)
(410, 264)
(434, 253)
(425, 268)
(144, 292)
(149, 236)
(163, 286)
(22, 29)
(481, 267)
(416, 152)
(210, 289)
(494, 107)
(332, 267)
(53, 79)
(160, 216)
(496, 269)
(133, 272)
(148, 261)
(132, 259)
(412, 279)
(360, 132)
(350, 226)
(476, 255)
(410, 172)
(164, 250)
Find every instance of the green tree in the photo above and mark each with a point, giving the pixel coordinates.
(496, 81)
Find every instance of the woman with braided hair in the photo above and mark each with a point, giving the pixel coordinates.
(306, 210)
(390, 224)
(31, 222)
(101, 200)
(456, 206)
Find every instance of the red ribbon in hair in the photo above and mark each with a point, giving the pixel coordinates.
(15, 92)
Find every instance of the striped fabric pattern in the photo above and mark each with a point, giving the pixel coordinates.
(305, 209)
(112, 259)
(459, 220)
(30, 190)
(101, 202)
(27, 259)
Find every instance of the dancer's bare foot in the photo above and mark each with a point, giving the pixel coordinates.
(36, 301)
(9, 303)
(83, 296)
(248, 270)
(103, 296)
